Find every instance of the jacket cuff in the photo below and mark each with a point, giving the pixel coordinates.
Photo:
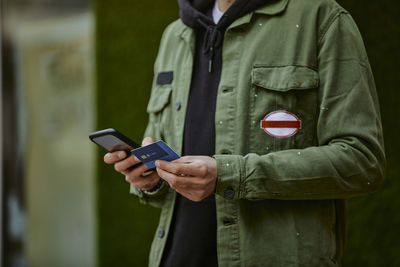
(144, 195)
(156, 189)
(231, 175)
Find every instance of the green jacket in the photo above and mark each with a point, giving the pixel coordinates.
(279, 200)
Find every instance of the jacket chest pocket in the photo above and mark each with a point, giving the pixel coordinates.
(283, 108)
(159, 109)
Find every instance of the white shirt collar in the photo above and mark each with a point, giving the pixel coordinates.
(216, 13)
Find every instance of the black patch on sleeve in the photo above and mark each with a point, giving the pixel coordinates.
(165, 77)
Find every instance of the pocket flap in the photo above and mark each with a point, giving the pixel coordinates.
(159, 99)
(284, 78)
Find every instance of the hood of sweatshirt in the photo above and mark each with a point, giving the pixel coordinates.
(193, 13)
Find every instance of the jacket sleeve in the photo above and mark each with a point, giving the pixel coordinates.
(349, 159)
(156, 198)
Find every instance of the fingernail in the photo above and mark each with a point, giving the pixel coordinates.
(121, 155)
(157, 163)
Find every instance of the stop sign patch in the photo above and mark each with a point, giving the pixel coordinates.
(281, 124)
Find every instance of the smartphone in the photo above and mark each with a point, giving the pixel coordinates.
(112, 140)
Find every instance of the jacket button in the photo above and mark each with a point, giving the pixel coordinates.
(178, 105)
(226, 152)
(227, 222)
(229, 193)
(160, 233)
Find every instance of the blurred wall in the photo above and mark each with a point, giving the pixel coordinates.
(128, 34)
(59, 185)
(50, 213)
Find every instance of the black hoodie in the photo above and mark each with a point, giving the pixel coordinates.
(192, 236)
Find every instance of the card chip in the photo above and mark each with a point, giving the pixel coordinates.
(156, 151)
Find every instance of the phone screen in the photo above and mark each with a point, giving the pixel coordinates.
(112, 140)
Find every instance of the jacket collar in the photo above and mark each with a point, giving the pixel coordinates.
(272, 8)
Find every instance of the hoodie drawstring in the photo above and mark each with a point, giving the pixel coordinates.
(212, 40)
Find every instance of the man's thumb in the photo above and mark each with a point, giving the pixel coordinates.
(147, 141)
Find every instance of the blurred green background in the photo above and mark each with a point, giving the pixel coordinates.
(127, 38)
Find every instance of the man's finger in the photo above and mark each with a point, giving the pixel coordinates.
(173, 180)
(180, 182)
(147, 173)
(126, 163)
(187, 169)
(186, 159)
(147, 141)
(144, 183)
(112, 157)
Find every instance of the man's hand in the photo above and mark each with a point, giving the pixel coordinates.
(192, 176)
(139, 177)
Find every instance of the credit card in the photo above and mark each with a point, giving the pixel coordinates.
(156, 151)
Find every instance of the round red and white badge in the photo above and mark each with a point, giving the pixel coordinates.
(280, 123)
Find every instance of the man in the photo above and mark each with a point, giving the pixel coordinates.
(273, 106)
